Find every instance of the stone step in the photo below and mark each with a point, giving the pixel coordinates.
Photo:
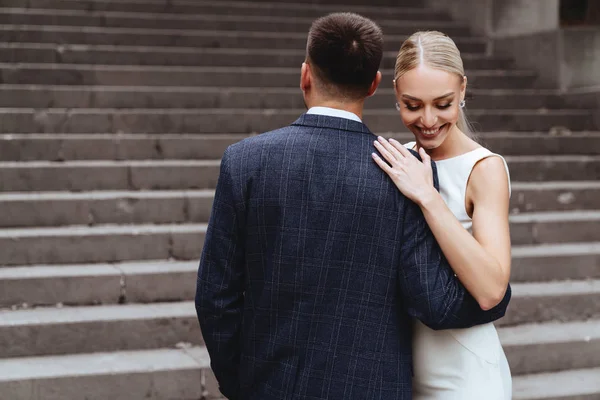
(554, 196)
(120, 75)
(100, 244)
(71, 330)
(157, 281)
(557, 142)
(109, 175)
(553, 168)
(275, 9)
(34, 209)
(155, 374)
(202, 174)
(58, 96)
(69, 147)
(553, 301)
(121, 175)
(114, 243)
(188, 56)
(27, 16)
(99, 208)
(387, 3)
(86, 284)
(97, 146)
(188, 38)
(151, 374)
(555, 227)
(556, 261)
(552, 346)
(219, 120)
(565, 385)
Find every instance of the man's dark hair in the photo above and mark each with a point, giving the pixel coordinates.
(344, 51)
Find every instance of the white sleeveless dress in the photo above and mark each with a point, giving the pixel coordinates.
(459, 364)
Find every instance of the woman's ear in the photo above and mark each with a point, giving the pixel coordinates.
(463, 88)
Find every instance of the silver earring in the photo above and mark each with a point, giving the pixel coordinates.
(397, 106)
(462, 104)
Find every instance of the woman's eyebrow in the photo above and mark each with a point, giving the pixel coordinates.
(406, 96)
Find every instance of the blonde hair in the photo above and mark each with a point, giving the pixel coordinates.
(438, 51)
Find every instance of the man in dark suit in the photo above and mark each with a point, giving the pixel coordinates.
(314, 263)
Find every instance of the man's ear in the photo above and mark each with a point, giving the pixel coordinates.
(305, 77)
(375, 84)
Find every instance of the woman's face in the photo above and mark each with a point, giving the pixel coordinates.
(429, 103)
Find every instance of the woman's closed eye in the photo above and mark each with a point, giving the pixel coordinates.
(412, 107)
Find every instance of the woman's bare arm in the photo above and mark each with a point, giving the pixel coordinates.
(481, 261)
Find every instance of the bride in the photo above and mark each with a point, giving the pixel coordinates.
(469, 216)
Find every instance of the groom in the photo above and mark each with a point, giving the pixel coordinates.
(314, 263)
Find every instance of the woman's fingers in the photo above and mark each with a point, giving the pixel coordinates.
(400, 148)
(389, 148)
(386, 154)
(382, 164)
(425, 157)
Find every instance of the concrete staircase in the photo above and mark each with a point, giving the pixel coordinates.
(114, 114)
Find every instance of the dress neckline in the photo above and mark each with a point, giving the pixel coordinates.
(460, 155)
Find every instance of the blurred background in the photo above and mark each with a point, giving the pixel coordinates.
(114, 115)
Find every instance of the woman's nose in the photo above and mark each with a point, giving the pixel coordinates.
(428, 119)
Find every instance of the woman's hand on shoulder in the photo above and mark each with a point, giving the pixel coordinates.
(414, 178)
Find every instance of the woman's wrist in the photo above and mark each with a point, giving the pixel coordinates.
(428, 198)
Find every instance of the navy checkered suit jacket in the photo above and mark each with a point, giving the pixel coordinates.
(314, 264)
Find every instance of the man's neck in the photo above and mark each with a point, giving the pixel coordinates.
(354, 108)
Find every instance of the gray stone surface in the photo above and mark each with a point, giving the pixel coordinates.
(189, 56)
(55, 209)
(54, 285)
(580, 60)
(74, 330)
(86, 284)
(553, 301)
(566, 385)
(237, 97)
(206, 21)
(265, 77)
(79, 244)
(549, 347)
(153, 374)
(520, 17)
(60, 147)
(554, 261)
(219, 120)
(160, 281)
(537, 51)
(187, 38)
(412, 12)
(555, 227)
(108, 175)
(553, 168)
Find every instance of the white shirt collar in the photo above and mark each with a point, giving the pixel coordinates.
(334, 112)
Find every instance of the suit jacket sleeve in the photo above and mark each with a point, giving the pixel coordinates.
(220, 284)
(431, 291)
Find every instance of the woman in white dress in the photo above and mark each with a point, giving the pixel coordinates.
(469, 216)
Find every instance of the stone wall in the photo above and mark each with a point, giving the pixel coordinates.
(565, 58)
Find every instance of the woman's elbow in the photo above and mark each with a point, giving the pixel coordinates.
(492, 299)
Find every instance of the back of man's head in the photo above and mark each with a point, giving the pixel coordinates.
(344, 51)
